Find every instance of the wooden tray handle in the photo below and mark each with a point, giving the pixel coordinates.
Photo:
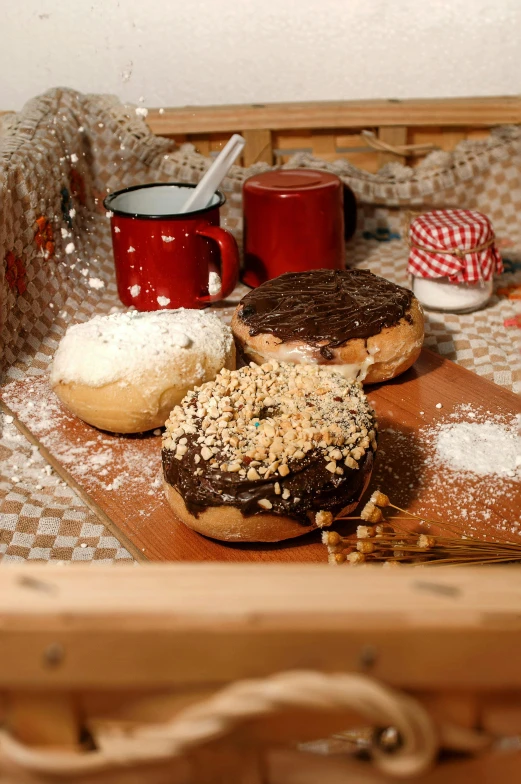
(247, 709)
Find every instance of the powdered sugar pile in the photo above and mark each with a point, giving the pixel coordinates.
(126, 346)
(462, 466)
(479, 448)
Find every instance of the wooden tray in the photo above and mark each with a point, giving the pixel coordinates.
(119, 477)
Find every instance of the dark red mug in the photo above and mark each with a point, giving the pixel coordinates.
(164, 258)
(293, 221)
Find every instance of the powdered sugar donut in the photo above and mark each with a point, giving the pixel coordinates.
(125, 372)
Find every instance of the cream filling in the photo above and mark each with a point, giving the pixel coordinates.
(310, 355)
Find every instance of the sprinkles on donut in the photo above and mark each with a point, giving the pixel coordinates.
(268, 452)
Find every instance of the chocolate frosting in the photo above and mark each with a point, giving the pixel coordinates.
(325, 308)
(309, 482)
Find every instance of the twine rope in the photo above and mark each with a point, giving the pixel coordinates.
(220, 715)
(397, 149)
(459, 252)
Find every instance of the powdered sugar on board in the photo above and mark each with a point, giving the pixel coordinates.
(461, 466)
(129, 467)
(483, 448)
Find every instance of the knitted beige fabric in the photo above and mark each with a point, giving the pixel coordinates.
(59, 158)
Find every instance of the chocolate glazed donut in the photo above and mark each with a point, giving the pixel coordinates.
(268, 452)
(351, 321)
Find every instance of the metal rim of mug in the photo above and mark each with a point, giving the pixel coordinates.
(175, 216)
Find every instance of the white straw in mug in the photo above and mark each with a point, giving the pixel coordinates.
(201, 195)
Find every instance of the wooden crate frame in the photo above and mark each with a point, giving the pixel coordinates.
(112, 646)
(108, 647)
(332, 130)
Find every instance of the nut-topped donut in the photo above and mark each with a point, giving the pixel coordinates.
(268, 452)
(350, 321)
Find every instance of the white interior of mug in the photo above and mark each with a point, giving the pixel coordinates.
(155, 200)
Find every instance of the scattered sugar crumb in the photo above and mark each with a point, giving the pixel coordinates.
(161, 111)
(214, 283)
(157, 431)
(141, 111)
(84, 272)
(116, 484)
(131, 249)
(81, 129)
(74, 158)
(83, 544)
(65, 233)
(109, 214)
(72, 212)
(163, 301)
(134, 290)
(116, 229)
(9, 419)
(70, 247)
(96, 283)
(439, 405)
(166, 238)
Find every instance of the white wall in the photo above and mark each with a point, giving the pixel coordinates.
(177, 52)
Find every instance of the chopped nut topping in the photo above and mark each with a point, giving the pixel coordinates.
(265, 503)
(267, 421)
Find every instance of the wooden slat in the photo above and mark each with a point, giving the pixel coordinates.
(43, 719)
(287, 766)
(211, 623)
(485, 112)
(352, 141)
(324, 145)
(201, 144)
(451, 137)
(396, 137)
(258, 147)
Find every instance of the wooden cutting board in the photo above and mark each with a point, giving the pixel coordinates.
(119, 477)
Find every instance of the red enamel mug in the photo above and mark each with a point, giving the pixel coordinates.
(165, 258)
(294, 220)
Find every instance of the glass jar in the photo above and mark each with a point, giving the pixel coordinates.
(442, 294)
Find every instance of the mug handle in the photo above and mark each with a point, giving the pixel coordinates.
(229, 253)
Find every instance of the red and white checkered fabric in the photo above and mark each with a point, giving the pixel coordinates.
(458, 230)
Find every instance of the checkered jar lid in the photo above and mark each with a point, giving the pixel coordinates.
(454, 244)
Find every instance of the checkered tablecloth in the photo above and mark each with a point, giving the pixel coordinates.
(58, 160)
